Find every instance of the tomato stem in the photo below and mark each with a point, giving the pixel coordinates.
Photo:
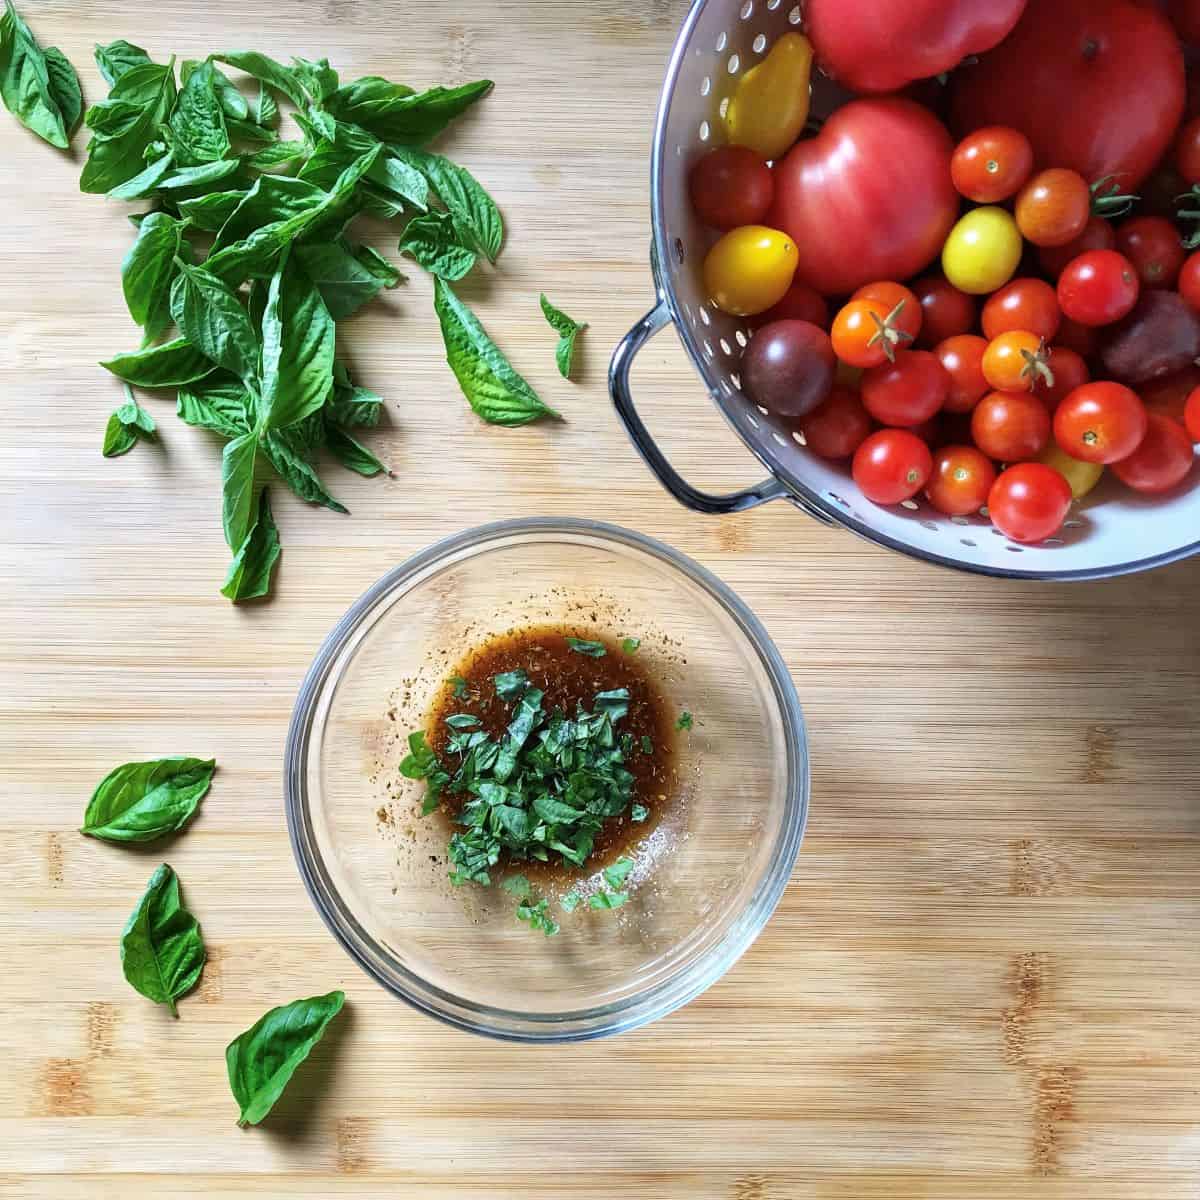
(1109, 201)
(887, 333)
(1037, 366)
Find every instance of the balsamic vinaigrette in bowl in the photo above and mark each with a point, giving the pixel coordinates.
(550, 756)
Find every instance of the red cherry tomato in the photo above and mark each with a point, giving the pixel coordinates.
(1083, 339)
(961, 480)
(1163, 459)
(1189, 281)
(991, 164)
(1097, 235)
(945, 311)
(1053, 207)
(1187, 151)
(1100, 422)
(1185, 16)
(1098, 288)
(1154, 247)
(838, 427)
(799, 303)
(731, 186)
(1022, 304)
(891, 465)
(1191, 415)
(1069, 371)
(1169, 395)
(905, 392)
(1029, 502)
(962, 360)
(903, 308)
(1010, 426)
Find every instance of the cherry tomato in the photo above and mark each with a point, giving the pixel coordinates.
(1191, 415)
(1010, 426)
(1169, 395)
(1015, 361)
(1097, 235)
(904, 310)
(1162, 460)
(891, 465)
(862, 335)
(787, 367)
(1154, 247)
(838, 427)
(1098, 288)
(962, 360)
(1069, 371)
(1189, 281)
(1053, 207)
(961, 480)
(1081, 476)
(1083, 339)
(929, 431)
(1100, 422)
(800, 303)
(731, 186)
(905, 392)
(1187, 151)
(750, 269)
(1023, 304)
(982, 251)
(770, 104)
(1029, 502)
(991, 164)
(945, 311)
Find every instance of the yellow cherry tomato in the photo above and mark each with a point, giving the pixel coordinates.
(768, 110)
(749, 269)
(1081, 477)
(982, 251)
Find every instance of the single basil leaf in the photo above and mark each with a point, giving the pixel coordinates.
(250, 572)
(567, 331)
(262, 1060)
(141, 801)
(162, 952)
(119, 438)
(352, 454)
(433, 241)
(265, 111)
(64, 87)
(297, 472)
(272, 198)
(492, 387)
(402, 180)
(118, 58)
(519, 886)
(110, 118)
(555, 812)
(169, 365)
(146, 181)
(349, 406)
(603, 900)
(183, 179)
(321, 122)
(247, 131)
(318, 78)
(222, 405)
(210, 212)
(239, 493)
(364, 96)
(297, 349)
(277, 154)
(27, 88)
(616, 875)
(639, 812)
(336, 146)
(571, 901)
(686, 720)
(395, 114)
(591, 649)
(233, 104)
(213, 319)
(148, 270)
(510, 685)
(344, 282)
(266, 70)
(630, 644)
(198, 121)
(387, 272)
(117, 158)
(479, 221)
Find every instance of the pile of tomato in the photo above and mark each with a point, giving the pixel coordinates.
(991, 317)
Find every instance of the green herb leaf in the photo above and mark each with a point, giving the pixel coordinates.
(267, 70)
(64, 88)
(400, 181)
(352, 454)
(519, 886)
(318, 78)
(169, 365)
(297, 472)
(211, 211)
(141, 801)
(118, 58)
(394, 113)
(272, 198)
(119, 438)
(567, 331)
(276, 154)
(162, 952)
(493, 389)
(143, 96)
(605, 900)
(537, 916)
(202, 175)
(571, 901)
(40, 88)
(461, 691)
(239, 491)
(198, 121)
(344, 281)
(221, 405)
(213, 319)
(685, 720)
(616, 875)
(511, 685)
(265, 111)
(262, 1060)
(631, 645)
(433, 241)
(591, 649)
(148, 270)
(639, 812)
(462, 721)
(253, 565)
(350, 405)
(474, 211)
(146, 181)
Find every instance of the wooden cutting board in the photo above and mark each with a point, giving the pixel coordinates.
(984, 978)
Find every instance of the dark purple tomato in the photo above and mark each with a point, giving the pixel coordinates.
(788, 367)
(1160, 336)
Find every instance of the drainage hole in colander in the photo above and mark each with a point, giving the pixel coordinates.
(1073, 523)
(734, 63)
(705, 86)
(959, 521)
(798, 438)
(726, 347)
(759, 44)
(747, 10)
(996, 532)
(763, 411)
(794, 16)
(1054, 542)
(910, 504)
(753, 420)
(740, 338)
(837, 499)
(1014, 549)
(722, 42)
(704, 131)
(679, 250)
(708, 350)
(736, 380)
(928, 525)
(724, 108)
(779, 439)
(967, 542)
(705, 317)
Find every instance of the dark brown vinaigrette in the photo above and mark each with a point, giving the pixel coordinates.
(568, 679)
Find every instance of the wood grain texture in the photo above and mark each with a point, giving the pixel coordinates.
(983, 979)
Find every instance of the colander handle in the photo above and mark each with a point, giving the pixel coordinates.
(618, 385)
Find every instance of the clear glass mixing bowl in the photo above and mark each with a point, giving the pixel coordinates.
(707, 877)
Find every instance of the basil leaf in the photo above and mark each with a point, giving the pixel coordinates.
(262, 1060)
(616, 875)
(239, 495)
(198, 121)
(571, 901)
(555, 812)
(349, 406)
(511, 685)
(401, 180)
(686, 720)
(265, 111)
(148, 270)
(387, 272)
(639, 812)
(119, 438)
(145, 181)
(567, 331)
(433, 240)
(253, 565)
(344, 281)
(318, 78)
(363, 96)
(603, 900)
(298, 347)
(141, 801)
(630, 644)
(277, 154)
(394, 113)
(247, 131)
(201, 175)
(118, 58)
(352, 454)
(519, 886)
(266, 70)
(474, 211)
(233, 104)
(162, 953)
(591, 649)
(492, 387)
(116, 158)
(169, 365)
(221, 405)
(211, 317)
(210, 212)
(297, 472)
(44, 97)
(272, 198)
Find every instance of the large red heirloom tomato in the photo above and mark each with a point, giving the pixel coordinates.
(880, 45)
(869, 197)
(1096, 85)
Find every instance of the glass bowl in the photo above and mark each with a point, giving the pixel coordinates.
(706, 878)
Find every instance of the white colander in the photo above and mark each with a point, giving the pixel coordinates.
(1112, 532)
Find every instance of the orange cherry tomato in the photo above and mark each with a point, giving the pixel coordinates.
(1030, 304)
(991, 164)
(1053, 207)
(1069, 370)
(962, 359)
(1014, 361)
(962, 477)
(860, 334)
(903, 308)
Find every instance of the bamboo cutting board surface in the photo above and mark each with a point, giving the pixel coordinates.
(983, 980)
